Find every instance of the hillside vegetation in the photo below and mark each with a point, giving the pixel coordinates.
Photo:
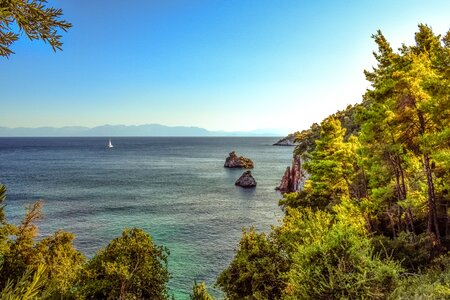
(372, 220)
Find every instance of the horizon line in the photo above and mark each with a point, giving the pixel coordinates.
(284, 131)
(147, 136)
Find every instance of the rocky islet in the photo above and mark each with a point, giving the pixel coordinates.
(234, 161)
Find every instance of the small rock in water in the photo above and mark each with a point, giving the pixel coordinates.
(246, 180)
(233, 161)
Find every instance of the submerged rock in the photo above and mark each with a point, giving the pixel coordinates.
(233, 161)
(291, 178)
(246, 180)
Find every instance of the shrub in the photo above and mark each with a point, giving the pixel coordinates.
(255, 272)
(130, 267)
(342, 265)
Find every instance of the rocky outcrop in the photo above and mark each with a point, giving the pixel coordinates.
(291, 178)
(233, 161)
(246, 180)
(287, 141)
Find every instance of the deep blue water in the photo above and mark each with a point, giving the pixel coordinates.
(174, 188)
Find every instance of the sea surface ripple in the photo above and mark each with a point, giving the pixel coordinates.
(174, 188)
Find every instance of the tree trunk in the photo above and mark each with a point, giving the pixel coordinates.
(432, 214)
(409, 215)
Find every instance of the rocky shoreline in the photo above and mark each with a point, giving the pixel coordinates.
(286, 141)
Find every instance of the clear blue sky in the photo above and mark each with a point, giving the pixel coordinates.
(223, 65)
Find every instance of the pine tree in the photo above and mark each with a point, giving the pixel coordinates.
(409, 86)
(330, 166)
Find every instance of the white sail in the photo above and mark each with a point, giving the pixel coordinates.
(110, 145)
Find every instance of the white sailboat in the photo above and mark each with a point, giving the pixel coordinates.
(110, 145)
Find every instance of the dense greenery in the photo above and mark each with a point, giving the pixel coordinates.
(129, 267)
(256, 269)
(372, 220)
(33, 18)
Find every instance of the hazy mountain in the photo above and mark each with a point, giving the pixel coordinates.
(128, 130)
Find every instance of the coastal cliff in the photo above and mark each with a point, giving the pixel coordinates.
(292, 177)
(287, 141)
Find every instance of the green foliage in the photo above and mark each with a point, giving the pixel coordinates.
(255, 272)
(200, 292)
(130, 267)
(21, 255)
(331, 166)
(331, 257)
(63, 262)
(434, 283)
(340, 265)
(408, 113)
(413, 252)
(302, 226)
(292, 200)
(377, 195)
(4, 228)
(353, 213)
(21, 252)
(28, 287)
(306, 139)
(33, 18)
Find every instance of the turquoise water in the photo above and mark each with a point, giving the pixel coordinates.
(174, 188)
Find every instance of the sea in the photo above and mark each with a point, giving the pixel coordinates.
(176, 189)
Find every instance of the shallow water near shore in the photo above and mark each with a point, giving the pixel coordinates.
(174, 188)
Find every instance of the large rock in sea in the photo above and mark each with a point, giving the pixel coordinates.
(291, 178)
(233, 161)
(246, 180)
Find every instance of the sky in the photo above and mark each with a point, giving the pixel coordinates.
(233, 65)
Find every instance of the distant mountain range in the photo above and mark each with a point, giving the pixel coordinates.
(129, 130)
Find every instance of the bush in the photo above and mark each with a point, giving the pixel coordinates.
(21, 254)
(413, 252)
(342, 265)
(434, 283)
(130, 267)
(255, 272)
(200, 292)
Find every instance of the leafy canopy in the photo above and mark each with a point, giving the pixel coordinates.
(131, 266)
(33, 18)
